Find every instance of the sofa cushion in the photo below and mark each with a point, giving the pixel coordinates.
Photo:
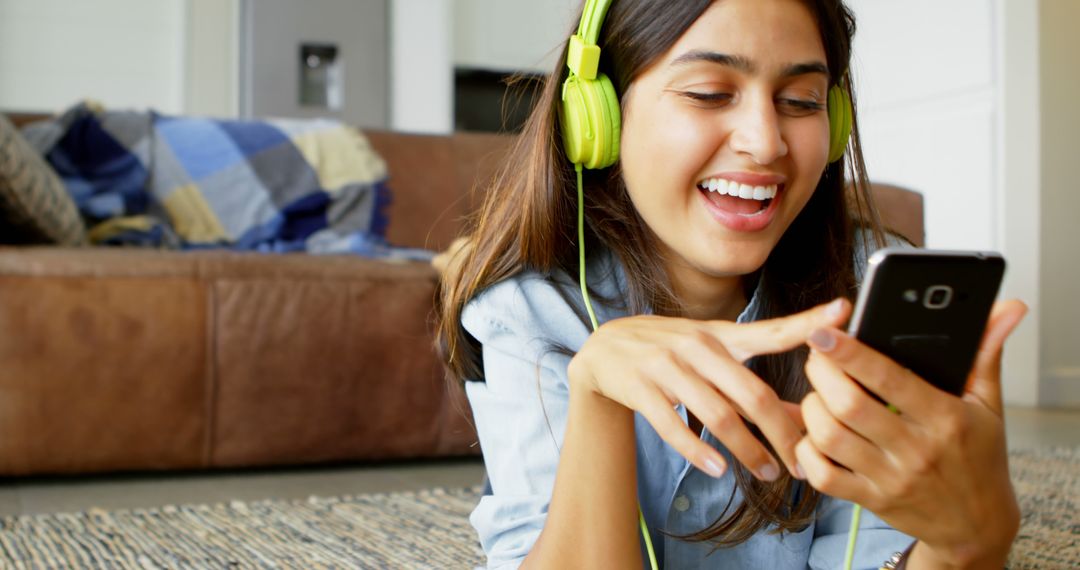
(34, 206)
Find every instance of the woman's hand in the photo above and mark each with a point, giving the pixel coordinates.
(938, 470)
(650, 363)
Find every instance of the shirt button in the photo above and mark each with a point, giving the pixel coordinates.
(681, 503)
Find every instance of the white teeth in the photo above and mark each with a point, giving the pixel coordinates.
(743, 191)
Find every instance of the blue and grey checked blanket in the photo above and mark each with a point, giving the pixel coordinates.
(282, 185)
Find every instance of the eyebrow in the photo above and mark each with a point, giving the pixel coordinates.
(745, 65)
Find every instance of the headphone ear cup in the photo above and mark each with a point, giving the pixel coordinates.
(840, 119)
(574, 118)
(591, 123)
(612, 124)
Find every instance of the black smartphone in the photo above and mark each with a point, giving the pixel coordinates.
(927, 309)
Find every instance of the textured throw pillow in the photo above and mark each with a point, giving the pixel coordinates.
(35, 208)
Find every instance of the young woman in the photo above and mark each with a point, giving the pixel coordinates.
(697, 397)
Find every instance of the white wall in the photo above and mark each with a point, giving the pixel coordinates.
(421, 67)
(927, 104)
(511, 35)
(1060, 200)
(1018, 216)
(124, 53)
(949, 107)
(212, 64)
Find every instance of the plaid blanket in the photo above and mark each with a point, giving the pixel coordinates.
(141, 178)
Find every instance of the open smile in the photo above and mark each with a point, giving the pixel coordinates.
(744, 206)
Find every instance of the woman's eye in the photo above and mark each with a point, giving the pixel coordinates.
(710, 98)
(790, 106)
(799, 107)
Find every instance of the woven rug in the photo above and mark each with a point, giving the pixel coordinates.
(426, 529)
(1047, 483)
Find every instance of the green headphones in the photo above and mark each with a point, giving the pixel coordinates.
(591, 123)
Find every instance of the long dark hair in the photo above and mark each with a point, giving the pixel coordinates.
(528, 221)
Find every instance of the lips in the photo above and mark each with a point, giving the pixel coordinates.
(724, 200)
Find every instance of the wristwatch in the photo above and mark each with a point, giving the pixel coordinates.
(898, 561)
(895, 562)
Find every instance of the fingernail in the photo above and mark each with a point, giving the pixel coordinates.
(799, 472)
(822, 340)
(769, 472)
(713, 468)
(835, 309)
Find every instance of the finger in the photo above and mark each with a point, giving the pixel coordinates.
(753, 398)
(829, 478)
(791, 409)
(893, 383)
(839, 443)
(771, 336)
(727, 426)
(850, 404)
(794, 412)
(984, 383)
(670, 427)
(721, 418)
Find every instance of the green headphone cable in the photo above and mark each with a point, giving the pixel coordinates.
(856, 514)
(595, 325)
(853, 532)
(581, 248)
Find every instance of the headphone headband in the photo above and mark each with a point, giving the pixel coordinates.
(592, 19)
(583, 57)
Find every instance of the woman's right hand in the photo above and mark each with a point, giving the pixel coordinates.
(649, 364)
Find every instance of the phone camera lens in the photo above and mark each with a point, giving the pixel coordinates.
(938, 297)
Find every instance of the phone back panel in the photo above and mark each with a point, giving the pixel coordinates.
(927, 310)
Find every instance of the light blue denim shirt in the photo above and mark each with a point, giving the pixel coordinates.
(521, 410)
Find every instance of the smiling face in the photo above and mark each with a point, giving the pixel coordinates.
(725, 138)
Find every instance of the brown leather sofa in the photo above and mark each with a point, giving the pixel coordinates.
(135, 360)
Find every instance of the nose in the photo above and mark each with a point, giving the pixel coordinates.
(756, 131)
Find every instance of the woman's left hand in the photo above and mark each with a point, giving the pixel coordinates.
(938, 470)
